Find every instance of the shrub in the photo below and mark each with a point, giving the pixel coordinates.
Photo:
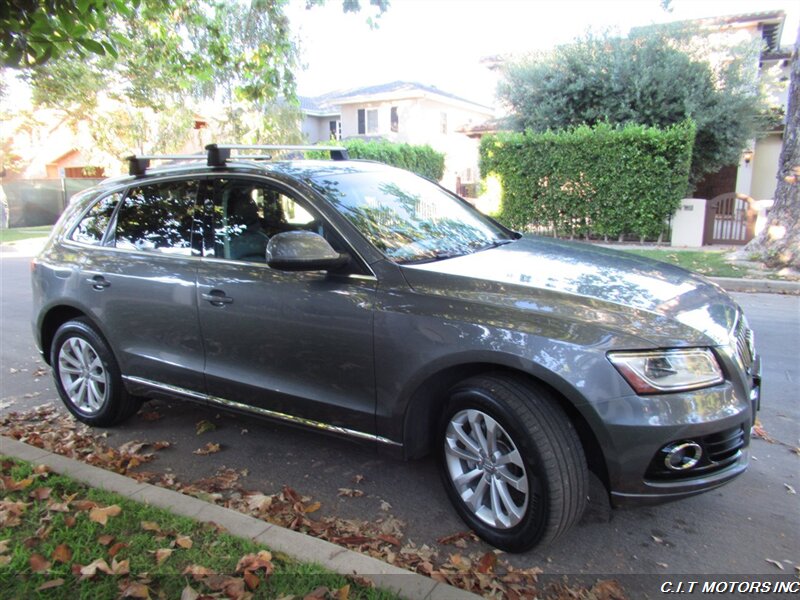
(601, 180)
(422, 160)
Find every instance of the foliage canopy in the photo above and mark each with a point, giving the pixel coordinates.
(646, 80)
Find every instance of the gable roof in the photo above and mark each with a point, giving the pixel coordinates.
(329, 103)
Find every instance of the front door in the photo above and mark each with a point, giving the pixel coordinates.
(297, 344)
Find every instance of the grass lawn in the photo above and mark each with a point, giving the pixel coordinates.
(23, 233)
(710, 264)
(62, 539)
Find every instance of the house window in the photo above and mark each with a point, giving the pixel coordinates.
(443, 121)
(367, 121)
(395, 120)
(335, 128)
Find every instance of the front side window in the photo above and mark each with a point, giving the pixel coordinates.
(92, 227)
(158, 218)
(408, 218)
(395, 120)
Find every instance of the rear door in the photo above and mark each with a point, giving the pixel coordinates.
(298, 344)
(140, 285)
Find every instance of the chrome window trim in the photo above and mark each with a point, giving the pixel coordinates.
(261, 411)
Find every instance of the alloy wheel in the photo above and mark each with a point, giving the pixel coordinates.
(83, 376)
(486, 469)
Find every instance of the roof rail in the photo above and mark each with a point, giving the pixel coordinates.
(219, 153)
(137, 165)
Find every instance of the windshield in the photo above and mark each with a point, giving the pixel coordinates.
(408, 218)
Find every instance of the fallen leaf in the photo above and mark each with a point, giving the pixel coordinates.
(312, 507)
(163, 554)
(608, 589)
(62, 554)
(101, 515)
(83, 505)
(209, 448)
(318, 594)
(48, 585)
(184, 541)
(385, 506)
(38, 563)
(115, 549)
(150, 526)
(251, 580)
(105, 539)
(10, 485)
(135, 590)
(120, 568)
(41, 493)
(204, 426)
(789, 488)
(4, 546)
(343, 593)
(197, 571)
(350, 493)
(657, 539)
(663, 565)
(774, 562)
(358, 479)
(189, 593)
(70, 521)
(90, 570)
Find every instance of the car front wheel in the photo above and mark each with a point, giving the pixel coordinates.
(511, 462)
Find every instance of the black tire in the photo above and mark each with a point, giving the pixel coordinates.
(536, 447)
(82, 361)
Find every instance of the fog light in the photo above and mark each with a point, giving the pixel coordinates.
(682, 456)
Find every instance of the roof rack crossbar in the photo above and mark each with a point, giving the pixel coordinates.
(251, 157)
(222, 152)
(137, 165)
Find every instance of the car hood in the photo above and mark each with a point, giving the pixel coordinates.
(649, 299)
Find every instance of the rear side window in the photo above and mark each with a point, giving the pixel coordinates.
(158, 218)
(92, 227)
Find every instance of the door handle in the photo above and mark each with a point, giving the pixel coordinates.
(217, 298)
(98, 282)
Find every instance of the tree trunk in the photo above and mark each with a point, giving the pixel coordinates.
(778, 245)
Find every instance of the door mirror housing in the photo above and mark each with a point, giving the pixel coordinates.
(303, 251)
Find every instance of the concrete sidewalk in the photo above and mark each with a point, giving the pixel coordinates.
(297, 545)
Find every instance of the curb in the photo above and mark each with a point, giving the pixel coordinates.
(769, 286)
(292, 543)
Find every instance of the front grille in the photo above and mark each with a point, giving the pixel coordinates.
(744, 343)
(720, 450)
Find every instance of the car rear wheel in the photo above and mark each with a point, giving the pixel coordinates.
(511, 462)
(87, 376)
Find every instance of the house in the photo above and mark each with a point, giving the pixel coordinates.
(406, 112)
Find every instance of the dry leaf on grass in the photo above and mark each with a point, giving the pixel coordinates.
(62, 554)
(49, 585)
(163, 554)
(38, 563)
(101, 515)
(184, 542)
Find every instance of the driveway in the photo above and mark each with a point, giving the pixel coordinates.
(737, 529)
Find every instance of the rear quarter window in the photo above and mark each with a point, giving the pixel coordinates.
(92, 227)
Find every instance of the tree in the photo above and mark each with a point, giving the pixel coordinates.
(146, 60)
(645, 80)
(778, 244)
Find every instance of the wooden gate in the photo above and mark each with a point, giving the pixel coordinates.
(730, 219)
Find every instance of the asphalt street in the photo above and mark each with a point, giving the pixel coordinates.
(732, 530)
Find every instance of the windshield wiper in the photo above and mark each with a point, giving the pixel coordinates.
(433, 258)
(492, 244)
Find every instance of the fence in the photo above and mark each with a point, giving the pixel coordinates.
(33, 202)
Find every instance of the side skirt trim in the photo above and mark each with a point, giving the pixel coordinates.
(178, 391)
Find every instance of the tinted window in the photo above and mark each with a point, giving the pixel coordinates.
(92, 227)
(158, 218)
(246, 214)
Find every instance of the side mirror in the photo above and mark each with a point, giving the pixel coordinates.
(302, 251)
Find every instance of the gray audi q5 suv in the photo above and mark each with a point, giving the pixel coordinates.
(366, 302)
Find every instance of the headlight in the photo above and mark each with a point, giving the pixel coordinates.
(667, 370)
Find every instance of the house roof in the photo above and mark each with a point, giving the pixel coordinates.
(329, 103)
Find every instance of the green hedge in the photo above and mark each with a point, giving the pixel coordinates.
(422, 160)
(600, 180)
